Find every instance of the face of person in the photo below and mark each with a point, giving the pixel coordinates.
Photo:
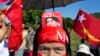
(51, 22)
(52, 49)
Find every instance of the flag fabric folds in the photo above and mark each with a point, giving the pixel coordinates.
(1, 1)
(88, 27)
(14, 14)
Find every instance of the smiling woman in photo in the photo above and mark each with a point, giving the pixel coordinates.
(52, 21)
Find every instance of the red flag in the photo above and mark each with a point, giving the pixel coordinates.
(14, 14)
(88, 27)
(1, 1)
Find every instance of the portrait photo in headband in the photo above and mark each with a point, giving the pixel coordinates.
(53, 19)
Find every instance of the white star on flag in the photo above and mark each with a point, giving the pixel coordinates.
(81, 18)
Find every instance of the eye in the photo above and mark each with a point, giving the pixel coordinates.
(43, 49)
(59, 50)
(0, 26)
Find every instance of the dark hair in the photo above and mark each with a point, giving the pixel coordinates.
(68, 48)
(82, 54)
(35, 43)
(54, 18)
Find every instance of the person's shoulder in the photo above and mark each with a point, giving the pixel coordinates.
(25, 33)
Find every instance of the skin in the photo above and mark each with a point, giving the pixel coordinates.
(1, 21)
(52, 49)
(3, 28)
(51, 22)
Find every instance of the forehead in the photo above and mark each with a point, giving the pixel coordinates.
(53, 44)
(49, 19)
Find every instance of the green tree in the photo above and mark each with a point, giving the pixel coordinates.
(68, 22)
(32, 17)
(97, 15)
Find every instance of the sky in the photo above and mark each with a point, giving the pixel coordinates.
(71, 10)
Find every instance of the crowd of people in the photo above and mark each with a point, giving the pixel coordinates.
(49, 41)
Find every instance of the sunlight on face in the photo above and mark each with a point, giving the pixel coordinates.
(52, 49)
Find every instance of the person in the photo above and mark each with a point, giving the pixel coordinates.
(3, 49)
(51, 41)
(52, 21)
(4, 32)
(23, 47)
(31, 34)
(95, 50)
(83, 50)
(3, 28)
(30, 38)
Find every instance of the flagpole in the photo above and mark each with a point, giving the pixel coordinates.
(53, 5)
(99, 50)
(43, 5)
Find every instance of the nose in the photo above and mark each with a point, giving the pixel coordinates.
(49, 24)
(52, 53)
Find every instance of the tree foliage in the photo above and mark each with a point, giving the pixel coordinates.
(32, 17)
(97, 15)
(68, 22)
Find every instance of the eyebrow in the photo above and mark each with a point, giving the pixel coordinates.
(43, 47)
(54, 47)
(60, 47)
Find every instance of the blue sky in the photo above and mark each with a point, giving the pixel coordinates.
(71, 10)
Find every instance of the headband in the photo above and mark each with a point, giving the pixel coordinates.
(52, 34)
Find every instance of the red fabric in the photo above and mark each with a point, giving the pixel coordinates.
(91, 25)
(31, 53)
(14, 14)
(1, 1)
(52, 34)
(39, 54)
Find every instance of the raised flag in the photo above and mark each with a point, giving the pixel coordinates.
(1, 1)
(14, 14)
(88, 27)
